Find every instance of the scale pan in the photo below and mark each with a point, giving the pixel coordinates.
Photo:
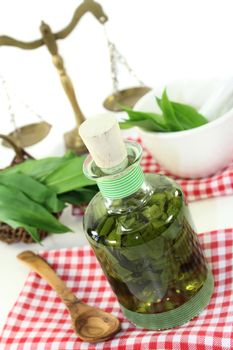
(29, 135)
(127, 97)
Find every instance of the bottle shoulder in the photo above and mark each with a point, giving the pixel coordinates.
(159, 184)
(159, 214)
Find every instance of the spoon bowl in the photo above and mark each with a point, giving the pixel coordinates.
(96, 324)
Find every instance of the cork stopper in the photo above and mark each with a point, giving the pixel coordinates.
(103, 139)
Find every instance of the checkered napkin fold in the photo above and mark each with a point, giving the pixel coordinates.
(39, 321)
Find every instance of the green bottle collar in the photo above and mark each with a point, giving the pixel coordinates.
(122, 186)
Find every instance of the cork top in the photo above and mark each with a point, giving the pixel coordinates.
(103, 139)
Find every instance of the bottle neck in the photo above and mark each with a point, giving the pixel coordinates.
(131, 202)
(123, 187)
(122, 184)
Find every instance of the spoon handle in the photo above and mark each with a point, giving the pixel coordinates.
(43, 269)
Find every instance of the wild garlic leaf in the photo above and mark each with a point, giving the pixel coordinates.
(16, 206)
(38, 169)
(59, 174)
(138, 115)
(148, 125)
(68, 176)
(34, 190)
(113, 265)
(107, 227)
(114, 239)
(175, 117)
(30, 229)
(146, 120)
(169, 113)
(80, 196)
(188, 115)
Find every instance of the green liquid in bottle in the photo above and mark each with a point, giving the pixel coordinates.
(150, 254)
(141, 232)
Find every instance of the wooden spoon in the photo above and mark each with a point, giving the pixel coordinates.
(90, 323)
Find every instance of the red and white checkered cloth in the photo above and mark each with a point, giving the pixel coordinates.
(220, 184)
(39, 321)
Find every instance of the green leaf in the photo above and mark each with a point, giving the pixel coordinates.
(107, 227)
(145, 120)
(113, 265)
(34, 190)
(68, 176)
(38, 169)
(154, 211)
(168, 113)
(188, 115)
(114, 239)
(147, 125)
(138, 115)
(59, 174)
(70, 154)
(30, 229)
(175, 117)
(81, 196)
(15, 206)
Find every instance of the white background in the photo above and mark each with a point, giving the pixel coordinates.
(162, 40)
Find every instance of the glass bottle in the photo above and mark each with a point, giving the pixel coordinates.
(140, 229)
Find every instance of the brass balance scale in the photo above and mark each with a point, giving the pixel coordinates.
(32, 133)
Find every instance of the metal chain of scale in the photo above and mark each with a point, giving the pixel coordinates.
(115, 58)
(20, 134)
(121, 98)
(9, 105)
